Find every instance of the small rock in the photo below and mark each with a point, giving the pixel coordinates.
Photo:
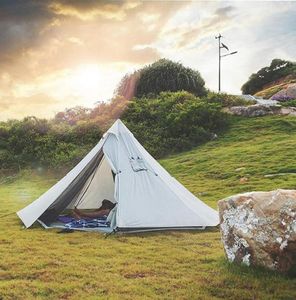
(240, 169)
(243, 180)
(259, 228)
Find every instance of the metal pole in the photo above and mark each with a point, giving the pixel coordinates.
(219, 88)
(223, 46)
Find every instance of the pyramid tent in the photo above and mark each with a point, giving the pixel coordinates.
(119, 169)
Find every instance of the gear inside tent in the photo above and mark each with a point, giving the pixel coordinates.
(139, 193)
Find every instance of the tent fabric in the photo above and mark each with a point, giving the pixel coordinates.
(147, 196)
(33, 211)
(99, 186)
(71, 192)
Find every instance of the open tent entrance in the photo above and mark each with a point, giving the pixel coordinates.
(97, 186)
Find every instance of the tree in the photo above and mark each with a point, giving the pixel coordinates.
(278, 68)
(165, 75)
(72, 115)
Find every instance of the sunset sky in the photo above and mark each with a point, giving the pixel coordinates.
(63, 53)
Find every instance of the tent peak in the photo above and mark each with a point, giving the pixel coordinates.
(118, 127)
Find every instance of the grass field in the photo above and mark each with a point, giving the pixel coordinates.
(40, 264)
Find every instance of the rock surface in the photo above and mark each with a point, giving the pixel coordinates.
(259, 228)
(288, 93)
(253, 110)
(260, 110)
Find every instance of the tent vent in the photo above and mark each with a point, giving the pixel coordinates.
(138, 164)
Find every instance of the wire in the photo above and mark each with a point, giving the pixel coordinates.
(6, 215)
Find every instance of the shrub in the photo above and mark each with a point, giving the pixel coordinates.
(166, 75)
(226, 100)
(37, 142)
(173, 122)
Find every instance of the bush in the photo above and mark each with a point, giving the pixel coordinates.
(165, 75)
(173, 122)
(37, 142)
(168, 123)
(226, 100)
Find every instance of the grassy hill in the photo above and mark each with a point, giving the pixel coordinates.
(269, 90)
(251, 149)
(39, 264)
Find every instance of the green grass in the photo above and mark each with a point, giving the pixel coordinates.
(270, 91)
(289, 103)
(40, 264)
(255, 146)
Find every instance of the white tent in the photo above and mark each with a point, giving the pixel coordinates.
(119, 169)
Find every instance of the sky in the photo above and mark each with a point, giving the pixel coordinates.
(57, 54)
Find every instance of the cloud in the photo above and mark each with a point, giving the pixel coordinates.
(18, 107)
(189, 34)
(51, 32)
(75, 40)
(20, 24)
(224, 11)
(43, 42)
(28, 24)
(90, 9)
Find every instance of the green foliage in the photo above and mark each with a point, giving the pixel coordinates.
(103, 114)
(226, 100)
(173, 122)
(72, 115)
(290, 103)
(165, 75)
(35, 142)
(278, 68)
(164, 265)
(169, 123)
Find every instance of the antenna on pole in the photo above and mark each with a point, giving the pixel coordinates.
(221, 45)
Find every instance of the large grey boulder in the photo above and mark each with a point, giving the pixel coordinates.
(259, 228)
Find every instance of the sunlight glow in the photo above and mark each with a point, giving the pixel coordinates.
(85, 81)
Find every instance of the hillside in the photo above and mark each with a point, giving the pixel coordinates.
(271, 79)
(251, 149)
(276, 86)
(171, 265)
